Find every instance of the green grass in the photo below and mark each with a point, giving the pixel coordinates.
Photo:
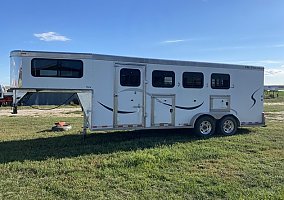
(163, 164)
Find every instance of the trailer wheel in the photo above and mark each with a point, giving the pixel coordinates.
(228, 125)
(205, 126)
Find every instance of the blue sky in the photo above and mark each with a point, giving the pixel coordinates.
(249, 32)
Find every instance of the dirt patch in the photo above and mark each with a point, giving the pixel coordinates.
(275, 104)
(276, 116)
(62, 112)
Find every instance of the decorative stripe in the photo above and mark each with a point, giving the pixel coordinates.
(252, 97)
(119, 111)
(131, 90)
(182, 107)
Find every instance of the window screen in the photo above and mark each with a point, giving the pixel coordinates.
(220, 81)
(192, 80)
(163, 79)
(42, 67)
(130, 77)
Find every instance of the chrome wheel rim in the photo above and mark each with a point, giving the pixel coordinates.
(205, 127)
(228, 126)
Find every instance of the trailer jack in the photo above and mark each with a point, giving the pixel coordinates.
(14, 109)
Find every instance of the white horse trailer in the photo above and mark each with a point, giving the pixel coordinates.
(118, 92)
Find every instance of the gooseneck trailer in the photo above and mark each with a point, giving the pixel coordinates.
(118, 92)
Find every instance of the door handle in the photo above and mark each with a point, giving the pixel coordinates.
(171, 110)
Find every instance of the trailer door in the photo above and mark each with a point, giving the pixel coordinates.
(129, 96)
(163, 110)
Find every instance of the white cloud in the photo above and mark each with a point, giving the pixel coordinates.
(274, 76)
(51, 36)
(172, 41)
(185, 40)
(259, 62)
(272, 72)
(270, 61)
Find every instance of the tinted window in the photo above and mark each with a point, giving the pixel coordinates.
(130, 77)
(163, 79)
(220, 81)
(192, 80)
(42, 67)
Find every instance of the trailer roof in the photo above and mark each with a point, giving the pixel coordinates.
(67, 55)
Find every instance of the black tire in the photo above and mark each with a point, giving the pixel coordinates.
(228, 125)
(205, 126)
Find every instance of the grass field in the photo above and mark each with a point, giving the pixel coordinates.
(174, 164)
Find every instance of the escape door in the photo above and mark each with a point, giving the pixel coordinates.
(163, 110)
(129, 96)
